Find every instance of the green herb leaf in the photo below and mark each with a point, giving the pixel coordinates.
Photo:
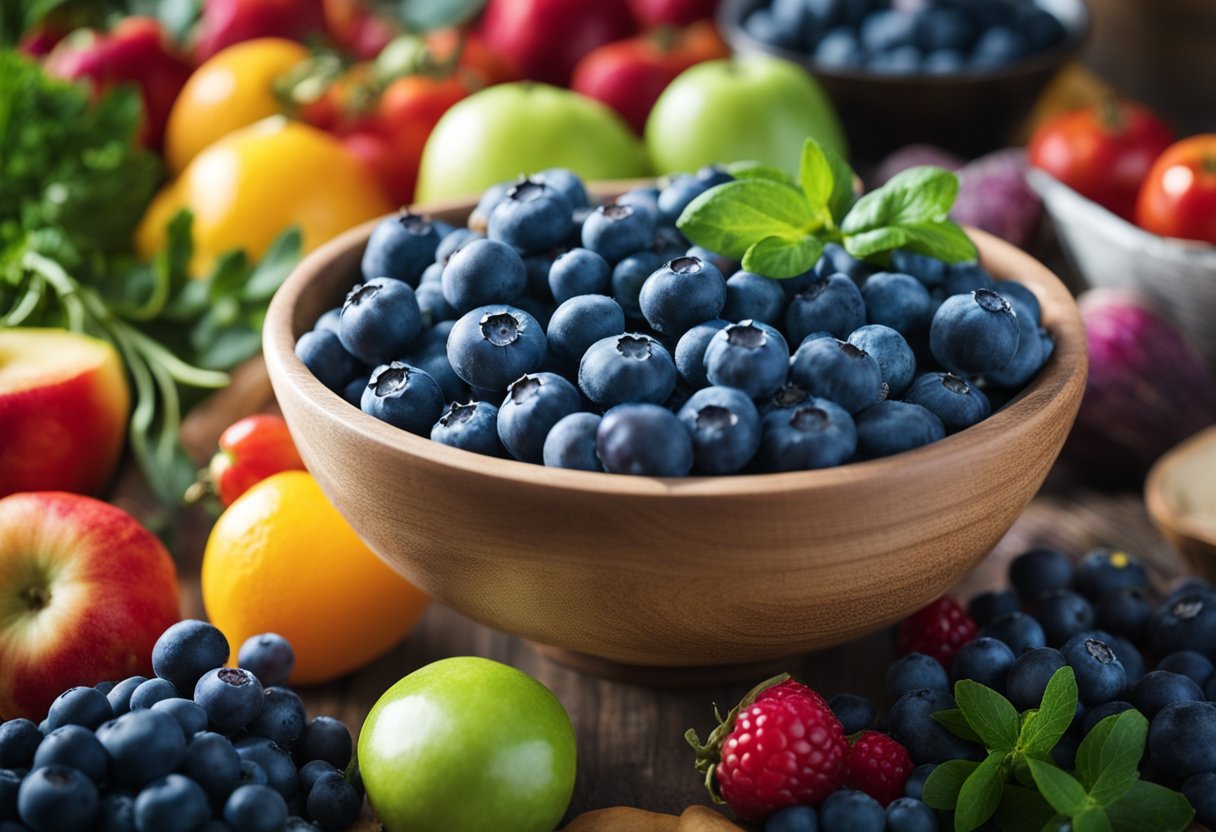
(945, 781)
(778, 257)
(274, 267)
(1091, 820)
(917, 195)
(1022, 810)
(995, 720)
(980, 794)
(1150, 806)
(957, 724)
(1108, 759)
(826, 179)
(1043, 728)
(1060, 789)
(731, 218)
(758, 170)
(943, 240)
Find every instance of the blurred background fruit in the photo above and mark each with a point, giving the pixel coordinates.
(1178, 197)
(226, 22)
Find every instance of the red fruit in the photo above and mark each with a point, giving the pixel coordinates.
(1178, 198)
(225, 22)
(781, 746)
(878, 766)
(938, 630)
(672, 12)
(252, 449)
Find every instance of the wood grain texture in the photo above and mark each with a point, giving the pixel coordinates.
(1180, 492)
(630, 569)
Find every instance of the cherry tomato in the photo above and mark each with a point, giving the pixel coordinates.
(252, 449)
(475, 55)
(1178, 198)
(1102, 152)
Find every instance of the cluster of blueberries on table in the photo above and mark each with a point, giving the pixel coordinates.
(1097, 616)
(934, 37)
(235, 752)
(596, 338)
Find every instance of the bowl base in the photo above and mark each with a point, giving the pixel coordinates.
(665, 677)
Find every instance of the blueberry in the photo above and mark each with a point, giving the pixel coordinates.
(1100, 674)
(117, 814)
(333, 802)
(906, 814)
(10, 785)
(404, 396)
(433, 307)
(974, 333)
(353, 392)
(902, 60)
(380, 320)
(533, 217)
(1100, 712)
(330, 320)
(1106, 570)
(832, 304)
(212, 762)
(1064, 754)
(954, 400)
(793, 819)
(749, 356)
(571, 443)
(1018, 630)
(984, 660)
(150, 692)
(1187, 622)
(892, 427)
(1194, 666)
(914, 786)
(644, 439)
(1030, 355)
(753, 297)
(911, 723)
(450, 244)
(282, 717)
(916, 671)
(1040, 570)
(431, 275)
(814, 434)
(400, 247)
(674, 198)
(896, 361)
(579, 271)
(326, 739)
(994, 603)
(230, 696)
(492, 346)
(837, 371)
(489, 200)
(1200, 792)
(75, 746)
(483, 272)
(626, 368)
(1063, 614)
(534, 404)
(119, 696)
(19, 739)
(690, 352)
(281, 774)
(186, 651)
(79, 706)
(255, 808)
(998, 46)
(188, 714)
(965, 278)
(581, 321)
(628, 277)
(430, 355)
(171, 804)
(567, 183)
(944, 28)
(1029, 675)
(251, 773)
(943, 62)
(614, 231)
(1023, 299)
(1133, 662)
(856, 713)
(849, 810)
(839, 48)
(471, 427)
(883, 30)
(1155, 690)
(268, 656)
(725, 429)
(930, 271)
(58, 799)
(682, 293)
(142, 746)
(1182, 738)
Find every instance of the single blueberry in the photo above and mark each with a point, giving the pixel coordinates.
(1100, 674)
(581, 321)
(571, 443)
(1018, 630)
(148, 693)
(281, 773)
(186, 651)
(1030, 355)
(793, 819)
(282, 717)
(896, 361)
(449, 245)
(120, 695)
(79, 706)
(471, 427)
(892, 427)
(954, 400)
(997, 47)
(915, 671)
(490, 198)
(839, 48)
(837, 371)
(1185, 622)
(404, 396)
(682, 293)
(1182, 738)
(268, 656)
(188, 714)
(481, 273)
(142, 745)
(256, 808)
(750, 356)
(212, 762)
(628, 277)
(534, 404)
(965, 278)
(832, 304)
(491, 346)
(690, 352)
(19, 739)
(567, 183)
(75, 746)
(1200, 792)
(333, 802)
(992, 604)
(753, 297)
(400, 247)
(725, 429)
(644, 439)
(928, 270)
(1194, 666)
(533, 217)
(1040, 570)
(117, 814)
(626, 368)
(984, 660)
(1105, 570)
(171, 804)
(322, 353)
(1158, 688)
(914, 786)
(330, 319)
(674, 198)
(856, 713)
(616, 230)
(816, 433)
(1063, 614)
(907, 814)
(433, 307)
(975, 333)
(579, 271)
(1029, 675)
(58, 799)
(1125, 612)
(1023, 298)
(849, 810)
(326, 739)
(230, 696)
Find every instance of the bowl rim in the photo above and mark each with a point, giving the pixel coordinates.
(1162, 509)
(1067, 367)
(730, 22)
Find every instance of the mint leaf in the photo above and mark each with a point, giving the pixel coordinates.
(943, 240)
(275, 265)
(1043, 728)
(1059, 788)
(758, 170)
(944, 783)
(980, 794)
(917, 195)
(778, 257)
(1149, 806)
(729, 219)
(957, 724)
(1091, 820)
(989, 713)
(826, 179)
(1108, 759)
(1022, 810)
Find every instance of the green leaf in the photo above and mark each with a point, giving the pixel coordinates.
(957, 724)
(1150, 806)
(980, 794)
(274, 267)
(943, 240)
(758, 170)
(1065, 794)
(826, 179)
(1091, 820)
(1043, 729)
(995, 720)
(1022, 810)
(917, 195)
(1108, 759)
(945, 781)
(731, 218)
(778, 257)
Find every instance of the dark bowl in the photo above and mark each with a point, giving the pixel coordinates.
(969, 113)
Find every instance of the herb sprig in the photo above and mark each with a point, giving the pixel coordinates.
(778, 227)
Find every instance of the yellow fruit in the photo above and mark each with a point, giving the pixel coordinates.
(231, 89)
(281, 559)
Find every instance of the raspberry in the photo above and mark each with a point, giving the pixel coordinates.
(780, 747)
(938, 630)
(878, 766)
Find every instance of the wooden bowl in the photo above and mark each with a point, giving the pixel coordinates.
(1181, 495)
(675, 573)
(968, 112)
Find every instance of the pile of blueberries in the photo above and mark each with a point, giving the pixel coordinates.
(597, 338)
(931, 37)
(137, 756)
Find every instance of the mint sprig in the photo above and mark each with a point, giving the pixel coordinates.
(1020, 789)
(778, 227)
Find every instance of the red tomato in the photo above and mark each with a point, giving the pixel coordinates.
(475, 55)
(630, 74)
(1178, 198)
(1102, 152)
(251, 450)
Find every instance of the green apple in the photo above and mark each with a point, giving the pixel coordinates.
(508, 129)
(751, 107)
(468, 744)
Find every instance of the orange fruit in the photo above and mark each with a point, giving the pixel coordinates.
(282, 560)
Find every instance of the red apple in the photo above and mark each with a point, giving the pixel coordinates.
(85, 591)
(672, 12)
(63, 411)
(225, 22)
